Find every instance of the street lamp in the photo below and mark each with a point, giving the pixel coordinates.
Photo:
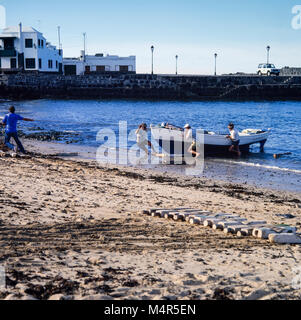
(215, 57)
(268, 54)
(177, 64)
(152, 49)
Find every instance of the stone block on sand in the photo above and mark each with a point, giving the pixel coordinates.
(263, 233)
(285, 238)
(224, 224)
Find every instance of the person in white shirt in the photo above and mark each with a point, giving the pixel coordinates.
(142, 138)
(187, 132)
(188, 137)
(235, 139)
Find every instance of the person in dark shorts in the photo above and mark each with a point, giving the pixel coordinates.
(10, 122)
(235, 139)
(193, 150)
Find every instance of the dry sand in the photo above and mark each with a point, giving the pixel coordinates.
(72, 230)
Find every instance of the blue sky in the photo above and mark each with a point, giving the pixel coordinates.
(238, 30)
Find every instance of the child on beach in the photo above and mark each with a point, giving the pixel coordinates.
(10, 122)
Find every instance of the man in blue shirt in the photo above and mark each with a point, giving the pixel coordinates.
(10, 121)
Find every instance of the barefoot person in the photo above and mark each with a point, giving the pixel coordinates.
(235, 140)
(10, 121)
(142, 138)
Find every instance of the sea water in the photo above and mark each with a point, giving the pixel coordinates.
(81, 120)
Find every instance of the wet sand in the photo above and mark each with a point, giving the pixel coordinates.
(72, 229)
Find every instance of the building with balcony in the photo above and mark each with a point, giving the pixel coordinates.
(26, 50)
(97, 64)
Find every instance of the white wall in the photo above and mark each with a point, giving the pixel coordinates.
(45, 53)
(111, 63)
(30, 53)
(5, 63)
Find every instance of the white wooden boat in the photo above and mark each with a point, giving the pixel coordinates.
(172, 140)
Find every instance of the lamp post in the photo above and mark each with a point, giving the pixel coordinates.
(215, 58)
(177, 64)
(152, 49)
(85, 36)
(268, 54)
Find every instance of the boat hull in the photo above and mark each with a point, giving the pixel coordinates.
(172, 142)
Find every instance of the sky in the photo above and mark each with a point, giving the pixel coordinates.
(237, 30)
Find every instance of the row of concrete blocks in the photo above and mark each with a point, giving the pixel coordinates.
(230, 224)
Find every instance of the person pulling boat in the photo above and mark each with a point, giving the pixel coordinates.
(235, 139)
(142, 139)
(10, 122)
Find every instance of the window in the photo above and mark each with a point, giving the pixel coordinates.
(28, 43)
(100, 68)
(56, 64)
(40, 63)
(50, 64)
(123, 68)
(39, 43)
(42, 43)
(30, 63)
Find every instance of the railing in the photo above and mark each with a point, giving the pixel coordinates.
(8, 53)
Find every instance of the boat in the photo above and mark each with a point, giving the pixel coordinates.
(171, 139)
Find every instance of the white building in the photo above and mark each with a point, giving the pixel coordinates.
(99, 63)
(25, 49)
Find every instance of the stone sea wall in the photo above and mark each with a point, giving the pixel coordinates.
(149, 87)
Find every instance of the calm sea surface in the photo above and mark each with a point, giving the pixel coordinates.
(81, 120)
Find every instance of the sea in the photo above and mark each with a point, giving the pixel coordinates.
(78, 122)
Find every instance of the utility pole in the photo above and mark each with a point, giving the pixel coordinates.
(177, 64)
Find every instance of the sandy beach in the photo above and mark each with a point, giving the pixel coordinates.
(72, 229)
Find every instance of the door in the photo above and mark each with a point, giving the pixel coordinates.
(70, 70)
(87, 69)
(13, 63)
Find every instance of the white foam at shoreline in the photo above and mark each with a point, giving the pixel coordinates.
(257, 165)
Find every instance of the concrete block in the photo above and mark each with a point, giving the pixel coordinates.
(285, 238)
(234, 229)
(263, 233)
(223, 224)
